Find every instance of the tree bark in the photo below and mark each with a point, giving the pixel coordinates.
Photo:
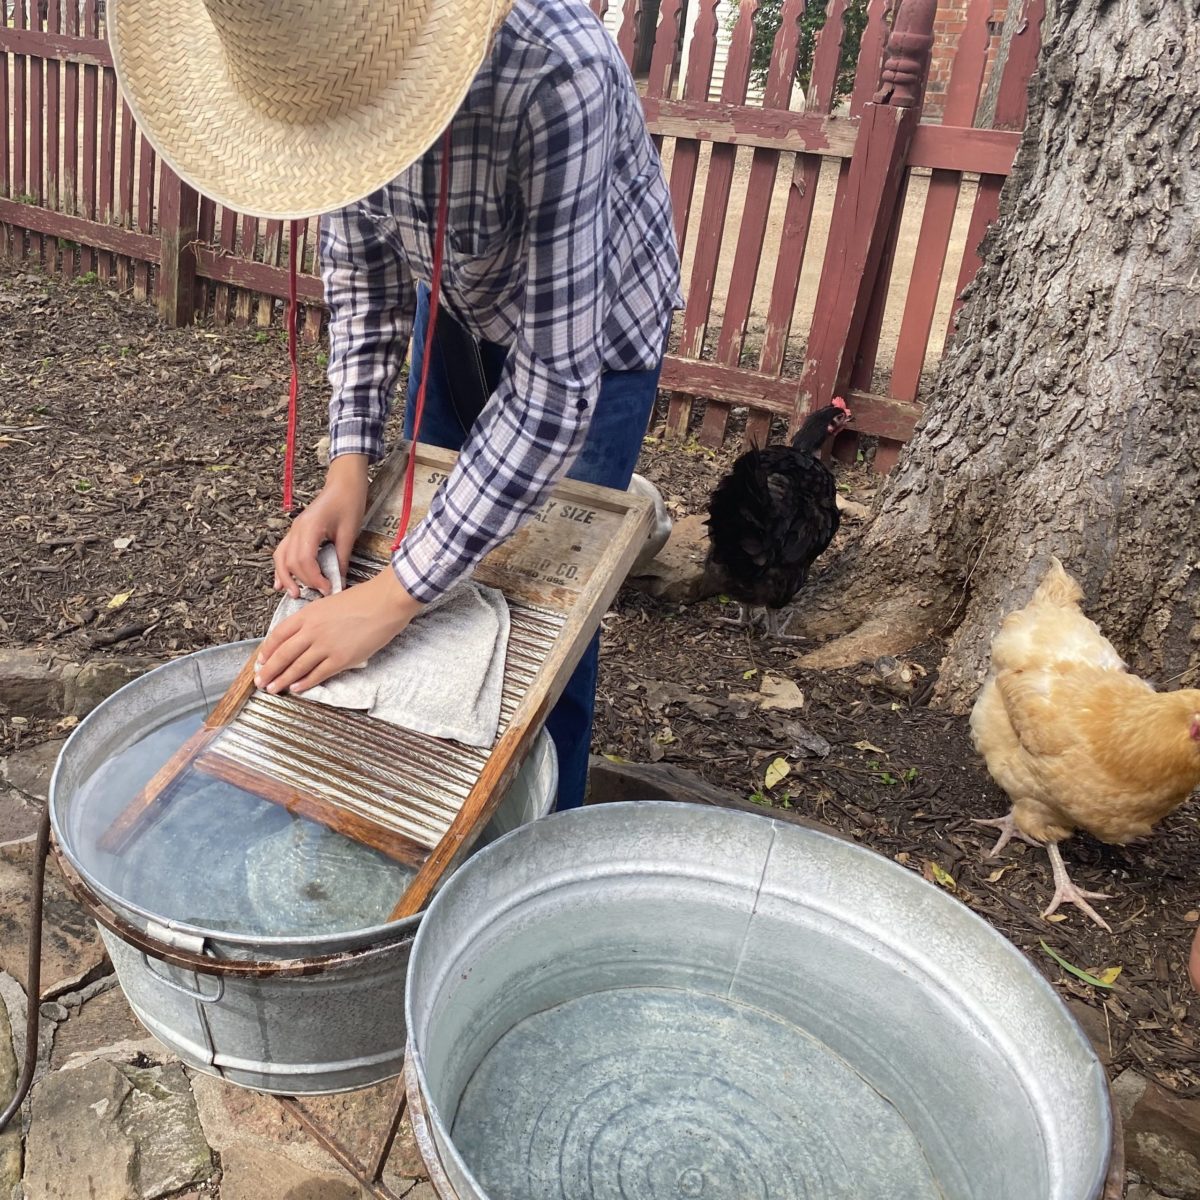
(1065, 418)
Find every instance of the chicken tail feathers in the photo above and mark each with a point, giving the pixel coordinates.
(1058, 588)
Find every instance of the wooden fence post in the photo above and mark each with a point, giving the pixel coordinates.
(865, 208)
(178, 213)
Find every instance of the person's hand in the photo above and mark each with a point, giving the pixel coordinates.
(336, 516)
(334, 633)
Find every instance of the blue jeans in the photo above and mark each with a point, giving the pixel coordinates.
(609, 454)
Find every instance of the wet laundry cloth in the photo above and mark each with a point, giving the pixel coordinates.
(442, 676)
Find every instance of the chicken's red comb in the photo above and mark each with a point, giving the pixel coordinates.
(838, 402)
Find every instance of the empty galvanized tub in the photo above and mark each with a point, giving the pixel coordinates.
(303, 1012)
(659, 1000)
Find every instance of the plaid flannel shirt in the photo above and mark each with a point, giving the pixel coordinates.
(559, 245)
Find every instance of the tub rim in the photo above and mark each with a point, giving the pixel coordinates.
(438, 1132)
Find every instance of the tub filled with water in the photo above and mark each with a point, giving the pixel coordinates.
(221, 874)
(671, 1001)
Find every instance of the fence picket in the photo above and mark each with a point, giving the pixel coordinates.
(941, 204)
(314, 317)
(1012, 101)
(662, 61)
(37, 125)
(20, 125)
(806, 175)
(223, 300)
(245, 299)
(125, 184)
(91, 82)
(206, 235)
(55, 250)
(712, 217)
(272, 243)
(631, 17)
(684, 165)
(70, 155)
(760, 190)
(108, 163)
(178, 211)
(6, 230)
(716, 189)
(145, 213)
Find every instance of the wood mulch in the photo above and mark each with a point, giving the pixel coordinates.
(142, 470)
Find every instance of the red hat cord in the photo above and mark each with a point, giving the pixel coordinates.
(439, 246)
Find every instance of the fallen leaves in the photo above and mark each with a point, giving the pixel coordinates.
(777, 772)
(1101, 979)
(934, 872)
(120, 600)
(774, 692)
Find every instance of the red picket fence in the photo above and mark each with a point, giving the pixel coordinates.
(823, 246)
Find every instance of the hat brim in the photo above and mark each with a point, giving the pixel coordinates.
(169, 64)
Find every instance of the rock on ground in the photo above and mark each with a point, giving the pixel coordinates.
(19, 816)
(114, 1132)
(240, 1121)
(1143, 1191)
(29, 769)
(1162, 1136)
(71, 948)
(251, 1173)
(10, 1141)
(103, 1021)
(36, 683)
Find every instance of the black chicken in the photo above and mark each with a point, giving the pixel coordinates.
(772, 515)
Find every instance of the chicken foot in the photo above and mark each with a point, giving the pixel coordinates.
(1008, 830)
(778, 629)
(1065, 892)
(750, 616)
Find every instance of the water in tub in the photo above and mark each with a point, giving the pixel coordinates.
(224, 859)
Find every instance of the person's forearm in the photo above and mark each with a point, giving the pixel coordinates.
(531, 434)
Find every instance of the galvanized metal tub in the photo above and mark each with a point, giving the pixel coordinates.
(278, 1014)
(653, 1000)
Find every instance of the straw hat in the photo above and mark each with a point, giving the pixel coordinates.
(288, 108)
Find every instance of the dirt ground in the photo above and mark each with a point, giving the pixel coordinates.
(142, 471)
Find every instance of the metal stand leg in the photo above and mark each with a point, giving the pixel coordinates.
(33, 975)
(369, 1175)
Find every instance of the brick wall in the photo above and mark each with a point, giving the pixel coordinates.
(948, 27)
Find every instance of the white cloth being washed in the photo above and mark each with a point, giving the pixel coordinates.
(442, 676)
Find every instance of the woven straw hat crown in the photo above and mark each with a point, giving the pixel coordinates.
(287, 108)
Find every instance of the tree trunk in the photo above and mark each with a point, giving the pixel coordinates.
(1066, 415)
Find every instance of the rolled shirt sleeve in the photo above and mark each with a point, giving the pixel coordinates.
(372, 300)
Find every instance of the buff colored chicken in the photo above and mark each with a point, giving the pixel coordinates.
(1074, 739)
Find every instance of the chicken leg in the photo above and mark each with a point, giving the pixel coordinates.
(1065, 892)
(750, 616)
(1008, 830)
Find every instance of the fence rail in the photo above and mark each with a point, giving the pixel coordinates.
(824, 247)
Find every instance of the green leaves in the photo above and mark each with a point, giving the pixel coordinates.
(1105, 978)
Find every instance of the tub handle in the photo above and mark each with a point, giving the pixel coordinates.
(183, 989)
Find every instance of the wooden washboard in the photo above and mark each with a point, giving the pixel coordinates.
(419, 799)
